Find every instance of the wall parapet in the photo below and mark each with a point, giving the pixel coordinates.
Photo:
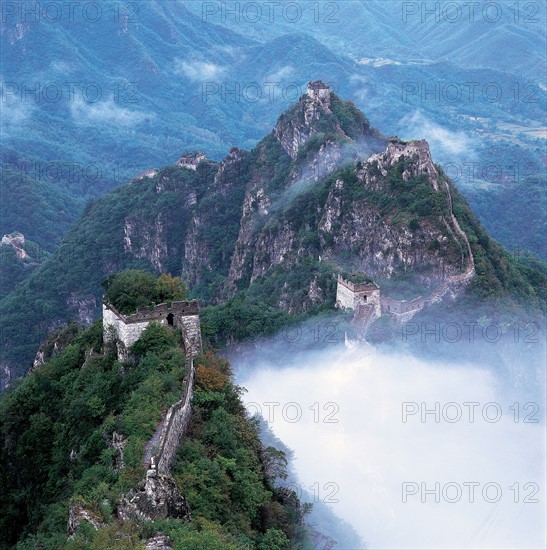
(389, 305)
(151, 313)
(357, 287)
(175, 424)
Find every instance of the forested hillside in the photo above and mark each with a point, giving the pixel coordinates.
(272, 226)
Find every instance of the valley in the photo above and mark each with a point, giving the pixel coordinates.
(272, 275)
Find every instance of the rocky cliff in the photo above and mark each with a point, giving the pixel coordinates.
(324, 192)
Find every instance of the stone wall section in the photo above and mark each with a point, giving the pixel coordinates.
(353, 296)
(129, 328)
(126, 330)
(174, 426)
(191, 334)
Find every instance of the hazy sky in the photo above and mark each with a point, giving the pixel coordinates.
(364, 459)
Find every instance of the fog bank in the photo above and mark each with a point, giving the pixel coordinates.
(364, 443)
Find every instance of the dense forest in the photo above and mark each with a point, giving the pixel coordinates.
(57, 427)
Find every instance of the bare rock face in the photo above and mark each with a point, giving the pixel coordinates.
(159, 542)
(228, 170)
(5, 376)
(157, 497)
(84, 308)
(54, 344)
(353, 228)
(145, 240)
(76, 514)
(323, 162)
(17, 241)
(117, 442)
(198, 260)
(294, 131)
(418, 150)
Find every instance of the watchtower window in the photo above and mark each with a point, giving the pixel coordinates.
(170, 319)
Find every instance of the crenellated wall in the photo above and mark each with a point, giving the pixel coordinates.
(354, 295)
(174, 426)
(129, 328)
(176, 419)
(191, 334)
(399, 307)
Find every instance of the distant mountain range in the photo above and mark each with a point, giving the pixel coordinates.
(87, 104)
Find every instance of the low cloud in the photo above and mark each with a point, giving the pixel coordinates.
(198, 70)
(444, 143)
(281, 74)
(13, 112)
(369, 452)
(105, 112)
(14, 116)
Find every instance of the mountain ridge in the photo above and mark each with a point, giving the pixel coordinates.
(316, 196)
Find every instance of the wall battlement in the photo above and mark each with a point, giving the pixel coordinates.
(358, 287)
(152, 313)
(191, 160)
(127, 329)
(318, 90)
(357, 295)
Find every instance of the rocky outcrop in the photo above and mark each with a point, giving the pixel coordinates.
(332, 211)
(54, 344)
(229, 170)
(5, 376)
(17, 241)
(320, 163)
(156, 497)
(294, 129)
(84, 308)
(78, 514)
(355, 233)
(159, 542)
(417, 151)
(149, 241)
(199, 259)
(197, 251)
(117, 442)
(273, 248)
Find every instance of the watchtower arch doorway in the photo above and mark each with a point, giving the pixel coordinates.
(171, 320)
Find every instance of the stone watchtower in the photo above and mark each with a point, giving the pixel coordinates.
(318, 90)
(127, 329)
(191, 160)
(358, 295)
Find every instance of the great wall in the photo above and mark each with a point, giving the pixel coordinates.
(364, 298)
(368, 303)
(125, 330)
